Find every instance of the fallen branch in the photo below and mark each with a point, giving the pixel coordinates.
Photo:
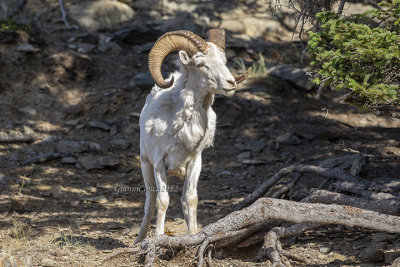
(272, 248)
(328, 173)
(386, 206)
(268, 210)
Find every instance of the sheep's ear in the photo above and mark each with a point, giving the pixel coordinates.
(184, 57)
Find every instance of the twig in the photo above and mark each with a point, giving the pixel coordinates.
(329, 173)
(64, 16)
(287, 187)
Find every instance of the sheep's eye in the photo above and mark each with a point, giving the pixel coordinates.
(200, 65)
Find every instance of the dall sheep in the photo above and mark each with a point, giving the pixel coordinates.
(177, 121)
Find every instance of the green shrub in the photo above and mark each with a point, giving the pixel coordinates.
(359, 53)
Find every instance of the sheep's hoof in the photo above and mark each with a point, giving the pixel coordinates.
(178, 172)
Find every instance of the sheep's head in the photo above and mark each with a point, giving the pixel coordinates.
(205, 60)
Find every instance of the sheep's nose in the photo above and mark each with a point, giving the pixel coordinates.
(232, 82)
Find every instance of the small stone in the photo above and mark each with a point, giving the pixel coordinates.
(68, 160)
(90, 162)
(97, 199)
(243, 155)
(325, 250)
(72, 122)
(69, 146)
(120, 144)
(100, 125)
(255, 161)
(30, 111)
(27, 48)
(252, 145)
(85, 48)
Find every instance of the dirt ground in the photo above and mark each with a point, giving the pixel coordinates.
(56, 211)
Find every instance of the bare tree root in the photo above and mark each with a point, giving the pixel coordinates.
(272, 247)
(269, 213)
(328, 173)
(386, 206)
(305, 215)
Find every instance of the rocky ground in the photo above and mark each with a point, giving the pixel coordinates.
(69, 138)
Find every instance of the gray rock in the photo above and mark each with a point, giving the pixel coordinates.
(72, 122)
(142, 80)
(325, 250)
(69, 146)
(373, 253)
(91, 162)
(97, 199)
(102, 14)
(243, 155)
(252, 145)
(255, 162)
(28, 48)
(289, 139)
(121, 144)
(84, 48)
(105, 43)
(30, 111)
(294, 74)
(68, 160)
(100, 125)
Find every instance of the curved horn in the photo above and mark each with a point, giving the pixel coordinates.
(217, 36)
(242, 77)
(172, 41)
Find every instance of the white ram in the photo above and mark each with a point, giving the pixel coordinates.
(177, 121)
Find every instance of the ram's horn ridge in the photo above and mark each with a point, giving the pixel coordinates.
(217, 36)
(173, 41)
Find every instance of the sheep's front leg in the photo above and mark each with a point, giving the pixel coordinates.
(189, 196)
(162, 199)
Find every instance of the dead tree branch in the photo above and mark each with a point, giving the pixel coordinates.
(387, 206)
(328, 173)
(269, 209)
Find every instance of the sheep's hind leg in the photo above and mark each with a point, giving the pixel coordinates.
(189, 196)
(150, 204)
(162, 200)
